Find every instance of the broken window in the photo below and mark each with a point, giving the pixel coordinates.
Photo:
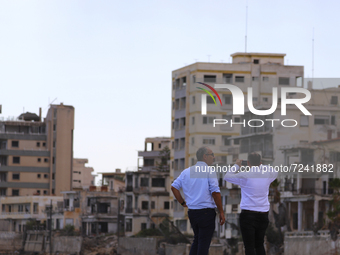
(283, 80)
(321, 120)
(144, 182)
(239, 79)
(334, 100)
(166, 204)
(149, 162)
(228, 78)
(210, 78)
(145, 205)
(158, 182)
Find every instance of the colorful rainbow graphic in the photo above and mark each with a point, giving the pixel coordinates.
(210, 93)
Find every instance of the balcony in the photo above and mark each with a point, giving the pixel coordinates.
(148, 154)
(128, 210)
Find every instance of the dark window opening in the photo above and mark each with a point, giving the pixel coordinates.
(283, 80)
(145, 205)
(38, 144)
(209, 78)
(39, 159)
(149, 162)
(256, 61)
(239, 78)
(166, 205)
(158, 182)
(16, 176)
(334, 100)
(15, 144)
(144, 182)
(15, 192)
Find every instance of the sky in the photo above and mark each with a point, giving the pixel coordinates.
(112, 60)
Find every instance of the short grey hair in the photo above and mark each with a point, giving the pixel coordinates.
(200, 152)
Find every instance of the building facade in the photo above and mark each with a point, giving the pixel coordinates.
(36, 156)
(82, 177)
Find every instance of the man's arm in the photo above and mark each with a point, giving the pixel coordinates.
(218, 201)
(232, 175)
(178, 196)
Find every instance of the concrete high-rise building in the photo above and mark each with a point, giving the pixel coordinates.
(36, 156)
(82, 175)
(191, 129)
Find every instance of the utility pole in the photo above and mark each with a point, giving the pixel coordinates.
(51, 227)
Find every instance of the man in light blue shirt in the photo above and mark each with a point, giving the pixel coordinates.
(202, 195)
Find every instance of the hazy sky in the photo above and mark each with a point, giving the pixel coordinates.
(112, 60)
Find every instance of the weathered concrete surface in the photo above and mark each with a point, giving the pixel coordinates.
(311, 245)
(175, 249)
(10, 241)
(140, 246)
(67, 244)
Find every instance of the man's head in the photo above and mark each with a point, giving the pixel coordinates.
(254, 159)
(206, 155)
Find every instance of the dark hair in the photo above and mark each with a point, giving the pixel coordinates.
(254, 159)
(200, 152)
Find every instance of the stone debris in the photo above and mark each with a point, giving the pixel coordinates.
(100, 245)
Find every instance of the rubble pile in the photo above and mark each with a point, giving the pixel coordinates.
(100, 245)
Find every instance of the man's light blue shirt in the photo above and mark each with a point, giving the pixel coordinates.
(198, 184)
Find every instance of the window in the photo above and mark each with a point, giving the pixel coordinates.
(54, 127)
(234, 208)
(333, 120)
(143, 226)
(304, 121)
(35, 208)
(44, 144)
(209, 78)
(38, 144)
(237, 119)
(193, 100)
(256, 61)
(38, 191)
(149, 162)
(53, 144)
(53, 160)
(45, 176)
(193, 79)
(239, 79)
(208, 120)
(128, 225)
(321, 120)
(53, 191)
(145, 205)
(52, 176)
(39, 159)
(45, 160)
(228, 78)
(236, 141)
(255, 78)
(158, 182)
(283, 80)
(15, 192)
(152, 204)
(265, 78)
(192, 120)
(209, 141)
(210, 100)
(184, 81)
(45, 192)
(228, 99)
(334, 100)
(38, 175)
(15, 144)
(226, 141)
(16, 176)
(265, 99)
(192, 140)
(254, 99)
(144, 182)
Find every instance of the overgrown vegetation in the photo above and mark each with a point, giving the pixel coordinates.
(165, 157)
(334, 213)
(68, 230)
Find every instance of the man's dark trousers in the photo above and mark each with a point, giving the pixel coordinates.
(203, 224)
(253, 228)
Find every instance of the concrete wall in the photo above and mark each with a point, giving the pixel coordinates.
(300, 245)
(67, 244)
(10, 241)
(140, 246)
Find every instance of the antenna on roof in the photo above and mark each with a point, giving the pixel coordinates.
(246, 27)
